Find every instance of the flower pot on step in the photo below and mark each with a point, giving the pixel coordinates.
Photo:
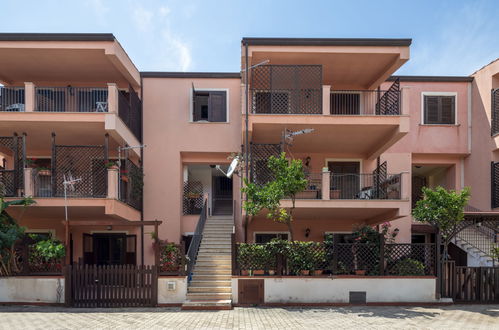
(258, 272)
(360, 272)
(305, 272)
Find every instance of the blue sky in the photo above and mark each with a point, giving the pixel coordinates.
(449, 37)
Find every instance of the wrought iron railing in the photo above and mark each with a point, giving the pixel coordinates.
(131, 184)
(192, 253)
(192, 198)
(313, 190)
(365, 186)
(286, 89)
(42, 183)
(71, 99)
(306, 258)
(130, 111)
(364, 102)
(7, 183)
(495, 111)
(12, 99)
(259, 157)
(494, 184)
(482, 238)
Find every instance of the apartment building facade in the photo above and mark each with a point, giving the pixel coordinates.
(134, 157)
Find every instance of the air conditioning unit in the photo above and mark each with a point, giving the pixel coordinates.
(171, 286)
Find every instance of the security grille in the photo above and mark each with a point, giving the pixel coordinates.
(389, 102)
(192, 201)
(85, 162)
(12, 179)
(286, 89)
(495, 111)
(259, 157)
(379, 176)
(495, 184)
(131, 181)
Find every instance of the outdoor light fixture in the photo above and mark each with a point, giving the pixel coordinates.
(307, 232)
(109, 227)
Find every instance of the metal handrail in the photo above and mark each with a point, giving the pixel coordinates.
(192, 253)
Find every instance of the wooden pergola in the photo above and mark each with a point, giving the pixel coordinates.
(112, 222)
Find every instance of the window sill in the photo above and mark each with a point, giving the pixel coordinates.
(209, 122)
(441, 125)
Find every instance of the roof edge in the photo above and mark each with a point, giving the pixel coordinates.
(432, 78)
(216, 75)
(326, 42)
(57, 37)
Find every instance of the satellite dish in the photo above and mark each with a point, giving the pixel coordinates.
(232, 168)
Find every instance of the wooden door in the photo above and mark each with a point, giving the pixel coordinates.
(251, 292)
(345, 180)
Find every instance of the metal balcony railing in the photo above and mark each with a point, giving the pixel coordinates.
(286, 89)
(12, 99)
(495, 111)
(130, 111)
(71, 99)
(365, 102)
(313, 189)
(365, 186)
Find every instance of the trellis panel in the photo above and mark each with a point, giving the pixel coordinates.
(259, 156)
(389, 102)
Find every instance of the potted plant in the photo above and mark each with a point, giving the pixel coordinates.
(44, 171)
(260, 259)
(124, 175)
(30, 162)
(319, 260)
(111, 165)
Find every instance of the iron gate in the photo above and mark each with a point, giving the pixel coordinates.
(94, 286)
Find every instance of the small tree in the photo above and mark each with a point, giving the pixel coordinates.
(443, 209)
(289, 179)
(10, 232)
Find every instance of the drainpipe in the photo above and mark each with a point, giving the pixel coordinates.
(142, 168)
(246, 148)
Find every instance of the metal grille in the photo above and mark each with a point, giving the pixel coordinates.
(362, 102)
(286, 89)
(379, 176)
(495, 111)
(130, 111)
(389, 102)
(494, 184)
(259, 156)
(85, 162)
(131, 184)
(370, 259)
(12, 177)
(192, 201)
(11, 98)
(71, 99)
(313, 189)
(365, 186)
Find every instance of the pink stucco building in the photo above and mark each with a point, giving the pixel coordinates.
(74, 106)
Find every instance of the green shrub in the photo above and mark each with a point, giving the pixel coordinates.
(255, 256)
(409, 267)
(49, 250)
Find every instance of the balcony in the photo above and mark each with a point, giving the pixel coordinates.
(292, 97)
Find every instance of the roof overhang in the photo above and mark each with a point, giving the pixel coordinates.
(62, 59)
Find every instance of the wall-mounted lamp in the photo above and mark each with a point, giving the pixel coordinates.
(109, 228)
(307, 232)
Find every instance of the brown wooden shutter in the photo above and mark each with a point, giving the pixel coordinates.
(196, 110)
(217, 107)
(431, 113)
(447, 109)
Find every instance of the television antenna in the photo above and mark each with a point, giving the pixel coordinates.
(288, 135)
(68, 183)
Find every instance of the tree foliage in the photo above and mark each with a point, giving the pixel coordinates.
(289, 180)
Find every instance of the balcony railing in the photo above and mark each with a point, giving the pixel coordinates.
(71, 99)
(130, 111)
(11, 98)
(8, 183)
(365, 186)
(313, 189)
(286, 89)
(365, 102)
(495, 111)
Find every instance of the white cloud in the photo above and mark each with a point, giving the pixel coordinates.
(143, 19)
(99, 8)
(182, 52)
(164, 11)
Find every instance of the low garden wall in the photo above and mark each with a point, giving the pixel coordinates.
(324, 290)
(27, 289)
(173, 294)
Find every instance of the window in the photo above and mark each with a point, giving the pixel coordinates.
(439, 109)
(267, 237)
(209, 106)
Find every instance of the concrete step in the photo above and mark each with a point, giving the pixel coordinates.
(214, 304)
(222, 271)
(215, 259)
(213, 264)
(214, 250)
(209, 296)
(211, 277)
(212, 283)
(212, 245)
(209, 289)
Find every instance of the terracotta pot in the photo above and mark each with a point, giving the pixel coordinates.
(334, 194)
(271, 272)
(305, 272)
(44, 172)
(360, 272)
(258, 272)
(318, 272)
(245, 272)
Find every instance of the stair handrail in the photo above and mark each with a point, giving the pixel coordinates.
(192, 253)
(474, 245)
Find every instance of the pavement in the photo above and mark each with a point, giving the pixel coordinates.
(355, 317)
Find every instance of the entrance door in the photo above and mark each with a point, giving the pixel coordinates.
(109, 249)
(222, 195)
(345, 180)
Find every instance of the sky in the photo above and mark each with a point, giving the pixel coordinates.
(448, 37)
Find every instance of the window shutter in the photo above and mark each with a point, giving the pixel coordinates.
(217, 107)
(431, 113)
(447, 109)
(196, 108)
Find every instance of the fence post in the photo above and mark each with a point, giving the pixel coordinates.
(381, 254)
(335, 254)
(438, 286)
(67, 285)
(234, 253)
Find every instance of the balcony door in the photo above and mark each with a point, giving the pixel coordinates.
(345, 179)
(109, 249)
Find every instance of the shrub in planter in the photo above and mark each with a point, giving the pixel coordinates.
(254, 257)
(301, 257)
(409, 267)
(170, 257)
(47, 256)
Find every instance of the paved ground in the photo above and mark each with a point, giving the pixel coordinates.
(448, 317)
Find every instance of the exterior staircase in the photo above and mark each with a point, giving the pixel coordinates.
(477, 244)
(211, 284)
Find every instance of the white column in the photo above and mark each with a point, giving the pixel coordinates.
(326, 100)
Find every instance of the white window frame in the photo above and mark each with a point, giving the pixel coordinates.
(270, 233)
(361, 101)
(454, 94)
(191, 105)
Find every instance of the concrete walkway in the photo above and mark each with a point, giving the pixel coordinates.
(447, 317)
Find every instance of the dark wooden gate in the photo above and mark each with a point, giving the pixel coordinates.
(470, 284)
(111, 286)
